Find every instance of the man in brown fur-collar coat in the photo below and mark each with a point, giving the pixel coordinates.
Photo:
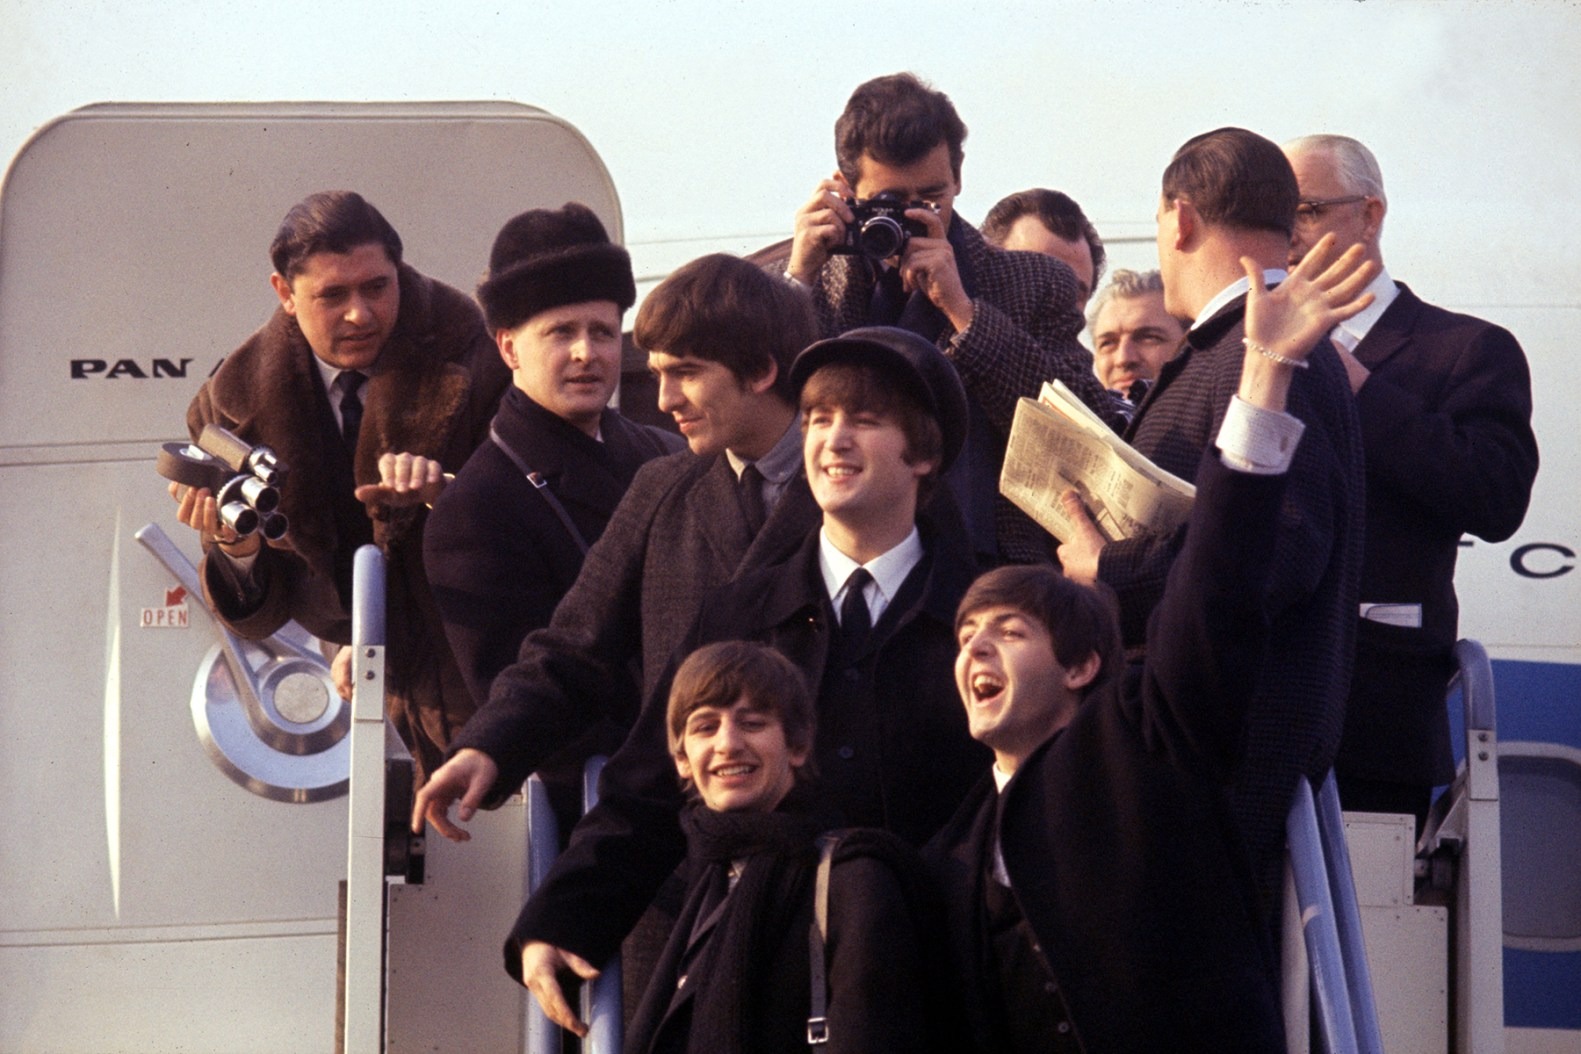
(370, 382)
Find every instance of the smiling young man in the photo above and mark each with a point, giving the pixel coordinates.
(1007, 321)
(1099, 892)
(863, 609)
(507, 538)
(370, 381)
(720, 336)
(734, 975)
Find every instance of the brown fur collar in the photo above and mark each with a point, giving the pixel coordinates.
(433, 390)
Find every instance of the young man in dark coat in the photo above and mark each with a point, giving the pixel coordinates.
(735, 975)
(1229, 194)
(370, 382)
(863, 608)
(1100, 896)
(1007, 321)
(506, 539)
(720, 335)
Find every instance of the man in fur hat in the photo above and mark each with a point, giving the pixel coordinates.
(507, 537)
(370, 381)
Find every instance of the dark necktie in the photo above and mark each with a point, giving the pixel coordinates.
(856, 622)
(751, 494)
(350, 405)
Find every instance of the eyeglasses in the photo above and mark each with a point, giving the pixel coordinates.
(1311, 210)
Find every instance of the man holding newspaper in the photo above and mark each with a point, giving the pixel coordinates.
(1227, 194)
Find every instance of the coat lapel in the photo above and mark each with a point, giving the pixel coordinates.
(786, 528)
(721, 522)
(1392, 331)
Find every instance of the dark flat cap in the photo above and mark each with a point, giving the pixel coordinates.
(915, 364)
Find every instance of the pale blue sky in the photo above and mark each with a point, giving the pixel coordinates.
(716, 118)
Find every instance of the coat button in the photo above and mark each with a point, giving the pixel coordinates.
(1063, 1026)
(846, 753)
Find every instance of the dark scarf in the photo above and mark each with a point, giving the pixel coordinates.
(772, 894)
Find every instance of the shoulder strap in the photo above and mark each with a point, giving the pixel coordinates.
(817, 934)
(541, 485)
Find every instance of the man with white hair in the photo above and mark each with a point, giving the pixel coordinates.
(1445, 406)
(1132, 334)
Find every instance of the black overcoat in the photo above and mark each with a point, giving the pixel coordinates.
(1293, 725)
(678, 532)
(498, 557)
(892, 745)
(1446, 424)
(1118, 837)
(878, 954)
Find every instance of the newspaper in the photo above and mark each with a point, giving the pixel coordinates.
(1057, 443)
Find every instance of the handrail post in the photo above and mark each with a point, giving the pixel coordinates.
(601, 997)
(365, 888)
(543, 845)
(1479, 891)
(1318, 925)
(1347, 918)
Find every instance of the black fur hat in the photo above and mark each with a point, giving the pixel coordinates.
(544, 258)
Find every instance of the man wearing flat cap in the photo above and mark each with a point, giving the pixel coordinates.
(864, 608)
(506, 539)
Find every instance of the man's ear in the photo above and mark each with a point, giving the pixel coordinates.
(282, 289)
(761, 384)
(507, 345)
(1082, 674)
(683, 768)
(1372, 213)
(1187, 222)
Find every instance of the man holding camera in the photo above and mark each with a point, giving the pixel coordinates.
(1007, 321)
(370, 381)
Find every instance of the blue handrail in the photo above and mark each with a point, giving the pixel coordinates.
(1347, 917)
(601, 998)
(1316, 907)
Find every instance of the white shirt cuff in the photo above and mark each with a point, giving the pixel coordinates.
(1258, 441)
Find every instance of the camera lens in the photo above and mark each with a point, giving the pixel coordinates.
(881, 237)
(239, 518)
(256, 493)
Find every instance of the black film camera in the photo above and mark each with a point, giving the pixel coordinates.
(880, 228)
(244, 479)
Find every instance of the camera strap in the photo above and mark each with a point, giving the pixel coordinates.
(817, 936)
(541, 485)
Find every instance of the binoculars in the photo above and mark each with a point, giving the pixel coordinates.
(244, 479)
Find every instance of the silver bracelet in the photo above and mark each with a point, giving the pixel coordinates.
(1274, 356)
